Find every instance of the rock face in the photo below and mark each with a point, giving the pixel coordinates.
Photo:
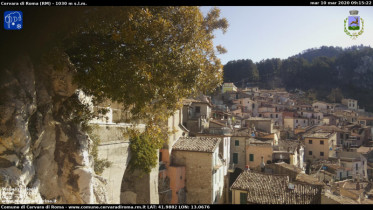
(43, 152)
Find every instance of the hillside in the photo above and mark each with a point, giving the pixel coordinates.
(319, 70)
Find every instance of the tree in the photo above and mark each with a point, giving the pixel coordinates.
(335, 95)
(238, 70)
(146, 58)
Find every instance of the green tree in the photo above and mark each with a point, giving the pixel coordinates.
(239, 70)
(335, 96)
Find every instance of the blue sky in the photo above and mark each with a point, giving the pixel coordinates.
(261, 32)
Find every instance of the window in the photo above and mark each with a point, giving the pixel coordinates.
(309, 152)
(276, 115)
(296, 121)
(251, 157)
(236, 143)
(357, 166)
(243, 198)
(341, 135)
(310, 141)
(271, 116)
(321, 141)
(235, 158)
(322, 154)
(198, 109)
(304, 121)
(160, 156)
(253, 106)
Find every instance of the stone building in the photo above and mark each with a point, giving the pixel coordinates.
(258, 151)
(261, 124)
(196, 114)
(320, 145)
(228, 87)
(295, 122)
(204, 174)
(350, 103)
(238, 151)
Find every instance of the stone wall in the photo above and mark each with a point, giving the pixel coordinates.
(114, 148)
(44, 152)
(198, 169)
(41, 147)
(138, 188)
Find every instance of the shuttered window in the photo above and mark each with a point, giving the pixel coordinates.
(235, 158)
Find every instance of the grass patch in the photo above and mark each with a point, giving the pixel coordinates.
(354, 28)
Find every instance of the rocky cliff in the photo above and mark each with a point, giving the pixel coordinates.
(44, 154)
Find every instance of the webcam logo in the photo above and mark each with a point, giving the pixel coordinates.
(354, 25)
(13, 20)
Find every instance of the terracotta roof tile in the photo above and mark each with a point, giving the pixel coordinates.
(196, 144)
(274, 189)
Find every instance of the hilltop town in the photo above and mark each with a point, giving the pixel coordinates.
(241, 146)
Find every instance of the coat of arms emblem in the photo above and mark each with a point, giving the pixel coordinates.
(354, 25)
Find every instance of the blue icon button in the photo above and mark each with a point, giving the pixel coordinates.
(13, 20)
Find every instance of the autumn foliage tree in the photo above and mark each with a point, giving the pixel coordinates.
(146, 58)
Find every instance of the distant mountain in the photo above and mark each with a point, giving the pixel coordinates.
(326, 51)
(312, 53)
(321, 70)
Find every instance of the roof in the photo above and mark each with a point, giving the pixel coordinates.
(196, 144)
(274, 189)
(259, 118)
(364, 150)
(289, 167)
(321, 135)
(217, 122)
(257, 141)
(291, 144)
(321, 102)
(305, 178)
(327, 128)
(187, 102)
(364, 118)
